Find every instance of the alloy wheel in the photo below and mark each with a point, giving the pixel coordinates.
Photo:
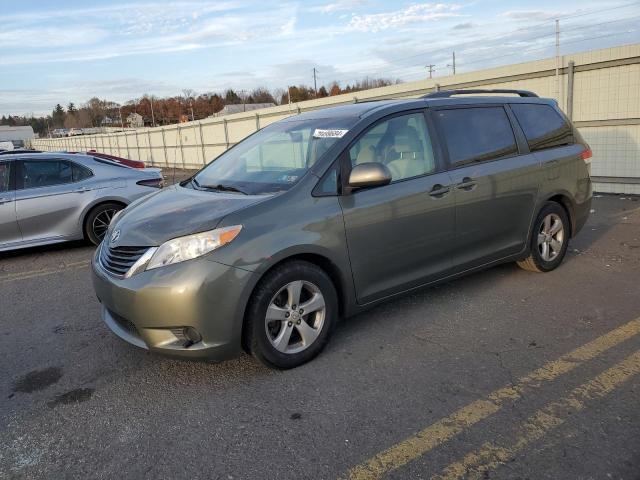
(295, 317)
(101, 222)
(550, 237)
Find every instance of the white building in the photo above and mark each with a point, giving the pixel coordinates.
(16, 135)
(135, 120)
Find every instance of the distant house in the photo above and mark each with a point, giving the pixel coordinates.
(242, 107)
(135, 120)
(107, 121)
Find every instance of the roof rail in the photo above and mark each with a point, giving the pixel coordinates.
(450, 93)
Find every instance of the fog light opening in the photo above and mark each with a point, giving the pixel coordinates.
(187, 336)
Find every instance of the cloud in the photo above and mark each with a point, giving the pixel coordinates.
(463, 26)
(337, 6)
(526, 15)
(49, 37)
(416, 13)
(139, 29)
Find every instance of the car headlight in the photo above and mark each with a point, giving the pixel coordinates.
(192, 246)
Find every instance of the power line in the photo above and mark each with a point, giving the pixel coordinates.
(511, 32)
(528, 39)
(546, 47)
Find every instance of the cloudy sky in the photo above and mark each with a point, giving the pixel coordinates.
(67, 50)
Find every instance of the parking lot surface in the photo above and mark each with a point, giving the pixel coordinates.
(503, 374)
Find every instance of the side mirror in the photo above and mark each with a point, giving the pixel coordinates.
(370, 174)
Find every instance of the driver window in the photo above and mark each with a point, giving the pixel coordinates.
(401, 143)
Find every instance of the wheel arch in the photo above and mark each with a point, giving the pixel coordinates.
(91, 207)
(565, 200)
(323, 262)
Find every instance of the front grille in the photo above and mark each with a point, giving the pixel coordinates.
(126, 325)
(119, 260)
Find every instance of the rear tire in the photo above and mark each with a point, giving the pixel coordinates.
(98, 220)
(549, 239)
(291, 315)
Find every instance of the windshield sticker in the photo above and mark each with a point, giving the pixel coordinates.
(325, 133)
(290, 178)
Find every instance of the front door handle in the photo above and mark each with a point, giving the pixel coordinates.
(439, 191)
(4, 200)
(467, 184)
(82, 190)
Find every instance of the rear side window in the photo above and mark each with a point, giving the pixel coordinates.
(476, 134)
(542, 125)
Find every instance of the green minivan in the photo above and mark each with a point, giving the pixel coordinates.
(326, 213)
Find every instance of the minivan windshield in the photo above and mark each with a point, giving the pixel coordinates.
(274, 158)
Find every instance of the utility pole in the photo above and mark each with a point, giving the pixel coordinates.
(243, 97)
(558, 60)
(453, 65)
(289, 95)
(121, 122)
(191, 107)
(153, 119)
(315, 85)
(431, 70)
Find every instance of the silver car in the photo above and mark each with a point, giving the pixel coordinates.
(55, 197)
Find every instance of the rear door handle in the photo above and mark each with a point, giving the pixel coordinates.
(4, 200)
(467, 183)
(439, 191)
(82, 190)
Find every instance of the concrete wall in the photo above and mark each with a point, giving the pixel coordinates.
(604, 104)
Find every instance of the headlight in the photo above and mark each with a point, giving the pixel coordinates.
(192, 246)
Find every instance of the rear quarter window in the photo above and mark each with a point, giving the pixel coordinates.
(543, 126)
(80, 173)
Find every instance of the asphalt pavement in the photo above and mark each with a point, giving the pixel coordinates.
(503, 374)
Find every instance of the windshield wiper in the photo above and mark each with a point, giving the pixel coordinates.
(224, 188)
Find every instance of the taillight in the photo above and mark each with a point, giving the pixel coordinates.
(586, 155)
(152, 182)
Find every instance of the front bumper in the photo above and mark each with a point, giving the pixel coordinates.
(149, 309)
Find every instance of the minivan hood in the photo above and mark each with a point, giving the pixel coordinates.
(174, 212)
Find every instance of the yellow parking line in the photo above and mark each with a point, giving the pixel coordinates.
(12, 277)
(444, 429)
(489, 456)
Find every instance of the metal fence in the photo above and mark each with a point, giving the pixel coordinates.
(599, 90)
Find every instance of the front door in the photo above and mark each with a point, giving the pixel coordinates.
(399, 235)
(49, 200)
(9, 231)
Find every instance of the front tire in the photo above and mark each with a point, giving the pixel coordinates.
(98, 220)
(291, 315)
(549, 239)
